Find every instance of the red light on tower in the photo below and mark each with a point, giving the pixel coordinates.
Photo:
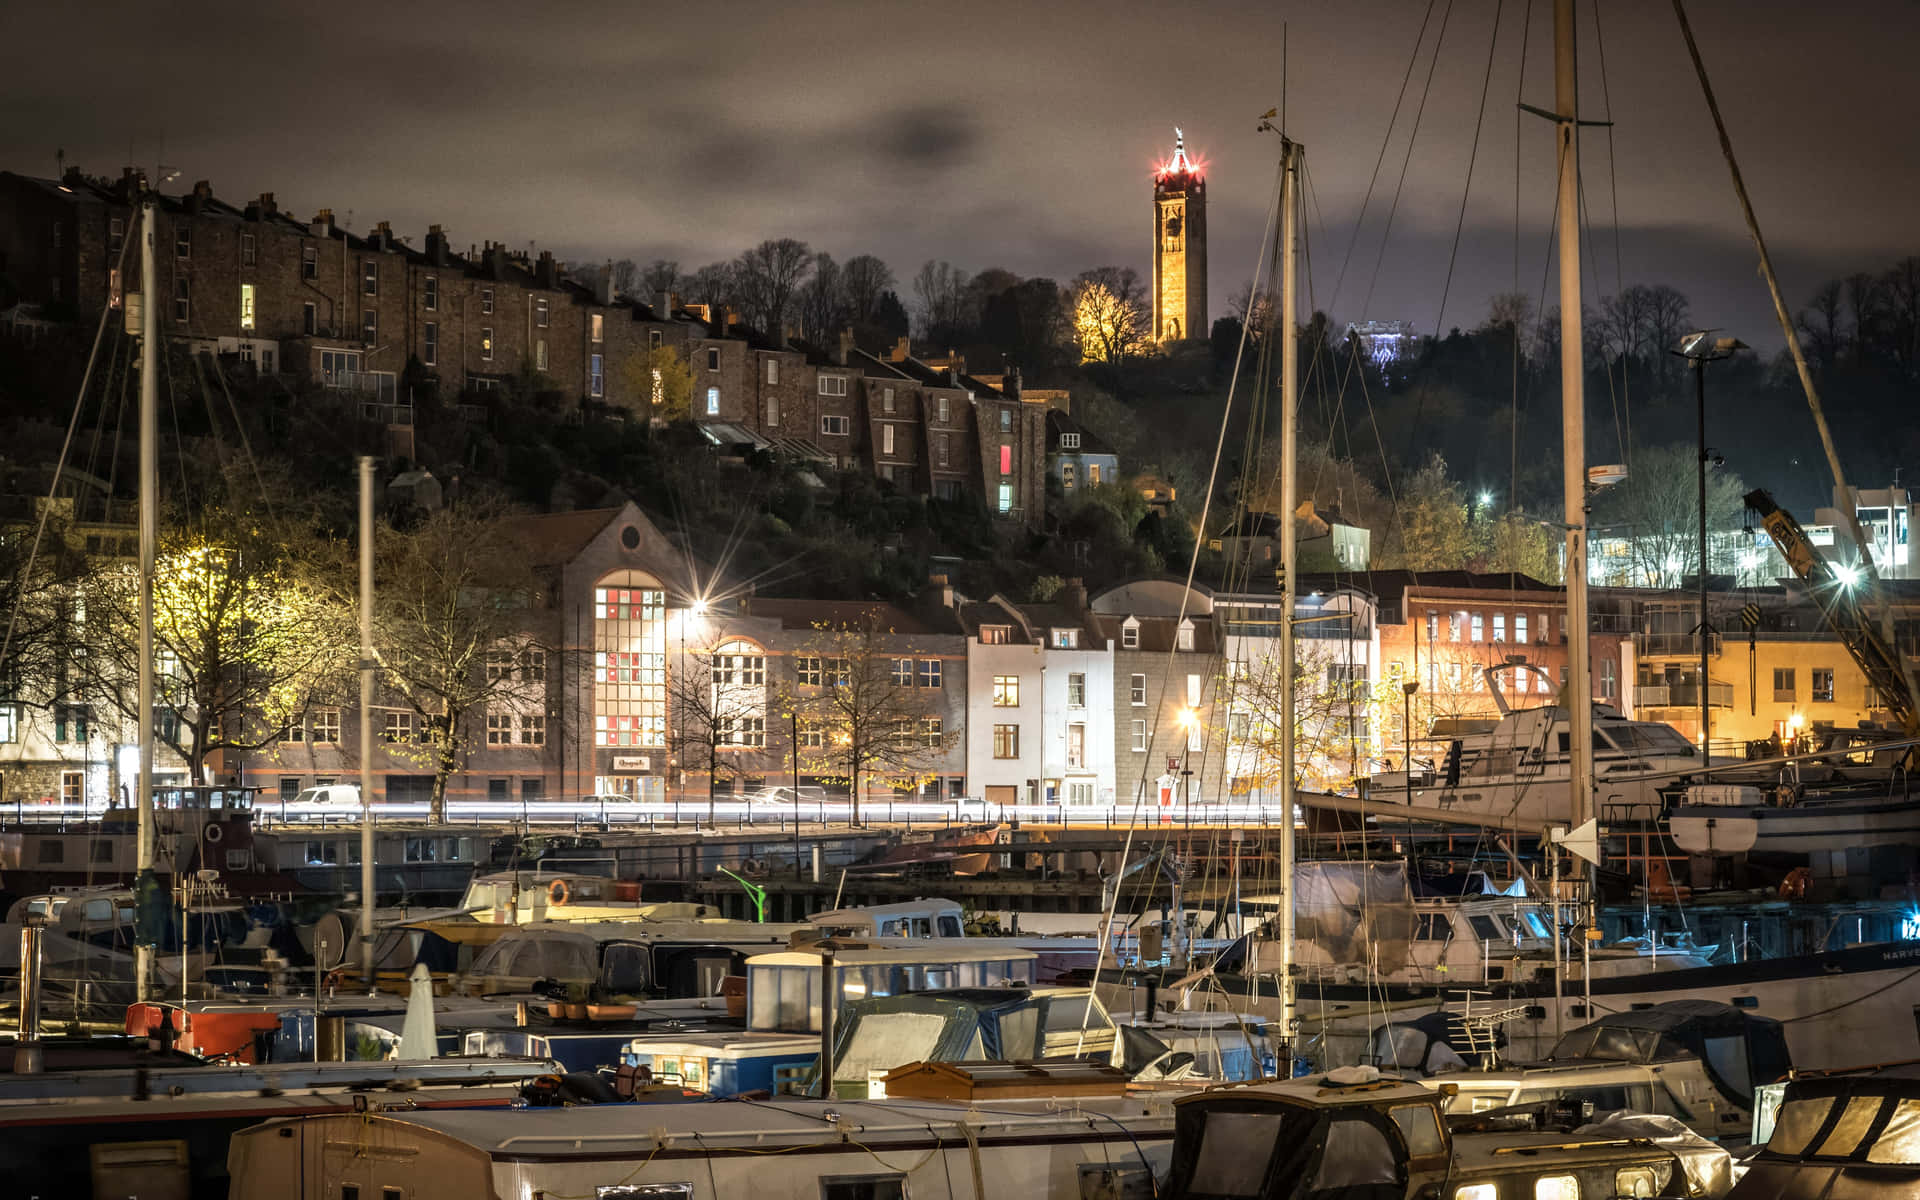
(1179, 164)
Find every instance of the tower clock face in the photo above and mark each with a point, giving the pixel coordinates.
(1173, 226)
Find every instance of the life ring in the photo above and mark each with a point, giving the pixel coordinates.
(213, 832)
(558, 892)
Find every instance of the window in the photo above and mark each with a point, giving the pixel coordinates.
(1093, 474)
(499, 665)
(1822, 684)
(1066, 474)
(541, 306)
(1783, 685)
(864, 1187)
(1006, 497)
(486, 343)
(309, 318)
(902, 672)
(596, 376)
(1130, 635)
(1077, 690)
(430, 343)
(945, 451)
(499, 729)
(326, 726)
(995, 635)
(734, 664)
(812, 737)
(839, 426)
(886, 439)
(1006, 691)
(637, 1191)
(369, 325)
(596, 328)
(1139, 737)
(1006, 420)
(1066, 639)
(486, 301)
(539, 354)
(116, 234)
(182, 300)
(295, 730)
(1499, 627)
(309, 262)
(246, 306)
(833, 385)
(630, 664)
(713, 358)
(1456, 626)
(1069, 441)
(533, 665)
(1076, 747)
(1137, 691)
(750, 732)
(773, 411)
(773, 371)
(929, 673)
(944, 409)
(713, 401)
(886, 400)
(806, 671)
(1520, 628)
(70, 723)
(931, 731)
(1556, 1187)
(9, 723)
(1006, 741)
(430, 293)
(370, 276)
(1006, 459)
(1608, 684)
(1196, 734)
(1479, 628)
(397, 727)
(182, 242)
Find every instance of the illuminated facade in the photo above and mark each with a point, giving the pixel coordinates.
(1179, 247)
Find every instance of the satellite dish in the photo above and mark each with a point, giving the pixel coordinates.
(330, 941)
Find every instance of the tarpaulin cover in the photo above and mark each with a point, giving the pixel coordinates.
(1739, 1048)
(1708, 1165)
(1358, 912)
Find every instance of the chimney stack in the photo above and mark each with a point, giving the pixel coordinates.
(1010, 383)
(663, 305)
(202, 192)
(603, 284)
(383, 236)
(544, 272)
(845, 349)
(437, 245)
(322, 224)
(267, 205)
(1073, 597)
(902, 349)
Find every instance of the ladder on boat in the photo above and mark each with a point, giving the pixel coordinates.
(1478, 1030)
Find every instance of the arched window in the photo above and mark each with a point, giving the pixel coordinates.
(629, 661)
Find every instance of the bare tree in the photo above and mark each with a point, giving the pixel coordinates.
(822, 301)
(1901, 287)
(452, 624)
(625, 273)
(718, 698)
(661, 275)
(864, 279)
(1864, 304)
(715, 285)
(1821, 322)
(939, 294)
(766, 278)
(869, 718)
(1109, 314)
(1657, 511)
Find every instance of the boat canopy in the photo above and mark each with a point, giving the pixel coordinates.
(1739, 1048)
(1863, 1128)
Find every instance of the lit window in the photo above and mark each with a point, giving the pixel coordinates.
(1499, 627)
(430, 343)
(246, 306)
(540, 354)
(630, 664)
(595, 328)
(1556, 1187)
(1006, 497)
(1093, 474)
(1066, 639)
(713, 402)
(1006, 741)
(944, 410)
(1185, 636)
(886, 439)
(773, 411)
(1006, 460)
(596, 376)
(1066, 474)
(886, 399)
(1006, 691)
(430, 293)
(1822, 684)
(833, 385)
(1520, 628)
(540, 312)
(486, 343)
(994, 635)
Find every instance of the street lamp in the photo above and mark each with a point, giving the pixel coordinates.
(1699, 349)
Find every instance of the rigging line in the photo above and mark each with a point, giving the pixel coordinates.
(1426, 91)
(1513, 402)
(1613, 188)
(1405, 81)
(60, 464)
(246, 446)
(1606, 362)
(1473, 154)
(1268, 238)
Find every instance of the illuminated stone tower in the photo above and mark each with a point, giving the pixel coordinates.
(1179, 248)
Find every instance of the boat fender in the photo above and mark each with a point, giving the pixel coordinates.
(558, 892)
(213, 832)
(1794, 886)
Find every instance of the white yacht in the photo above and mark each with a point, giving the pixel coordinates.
(1516, 767)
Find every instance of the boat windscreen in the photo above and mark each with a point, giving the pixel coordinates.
(1235, 1148)
(1645, 738)
(1899, 1140)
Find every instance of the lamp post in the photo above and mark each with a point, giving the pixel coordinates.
(1407, 691)
(1699, 349)
(793, 732)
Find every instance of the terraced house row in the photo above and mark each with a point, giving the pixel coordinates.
(330, 310)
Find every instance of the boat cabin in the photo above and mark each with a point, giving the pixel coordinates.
(875, 1035)
(1841, 1136)
(618, 958)
(911, 919)
(783, 988)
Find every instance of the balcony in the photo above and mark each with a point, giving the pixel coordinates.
(400, 415)
(1673, 645)
(381, 386)
(1682, 695)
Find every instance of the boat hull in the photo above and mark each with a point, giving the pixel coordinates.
(1801, 829)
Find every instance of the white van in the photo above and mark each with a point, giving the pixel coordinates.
(330, 793)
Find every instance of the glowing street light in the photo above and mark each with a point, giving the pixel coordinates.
(1847, 575)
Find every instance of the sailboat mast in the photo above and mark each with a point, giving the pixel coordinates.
(1289, 486)
(149, 546)
(1573, 446)
(366, 721)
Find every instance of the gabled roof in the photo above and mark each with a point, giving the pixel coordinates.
(850, 614)
(555, 539)
(1059, 422)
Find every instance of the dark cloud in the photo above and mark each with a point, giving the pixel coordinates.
(927, 138)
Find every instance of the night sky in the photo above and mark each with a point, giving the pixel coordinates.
(1003, 134)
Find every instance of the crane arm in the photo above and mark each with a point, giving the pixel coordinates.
(1877, 661)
